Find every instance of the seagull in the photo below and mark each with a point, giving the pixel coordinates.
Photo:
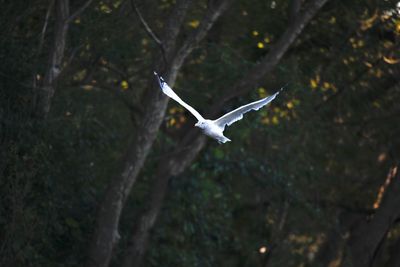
(215, 128)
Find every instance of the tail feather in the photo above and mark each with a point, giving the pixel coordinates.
(223, 140)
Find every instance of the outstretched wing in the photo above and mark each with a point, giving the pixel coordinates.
(237, 114)
(169, 92)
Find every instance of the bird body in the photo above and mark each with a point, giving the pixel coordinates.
(215, 128)
(211, 129)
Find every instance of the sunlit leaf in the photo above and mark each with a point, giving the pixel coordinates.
(265, 120)
(124, 85)
(105, 8)
(313, 83)
(398, 26)
(326, 85)
(369, 65)
(80, 75)
(275, 120)
(172, 122)
(87, 87)
(194, 23)
(390, 60)
(369, 22)
(145, 41)
(261, 92)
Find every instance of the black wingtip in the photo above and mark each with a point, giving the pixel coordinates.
(283, 87)
(160, 80)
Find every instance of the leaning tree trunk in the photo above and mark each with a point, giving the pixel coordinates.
(365, 240)
(394, 255)
(193, 143)
(45, 92)
(106, 233)
(175, 165)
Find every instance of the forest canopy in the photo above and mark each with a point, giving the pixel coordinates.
(98, 168)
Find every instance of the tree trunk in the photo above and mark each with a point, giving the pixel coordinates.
(253, 77)
(106, 233)
(171, 167)
(364, 240)
(45, 92)
(139, 240)
(394, 255)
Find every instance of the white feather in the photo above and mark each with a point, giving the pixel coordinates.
(169, 92)
(215, 128)
(237, 114)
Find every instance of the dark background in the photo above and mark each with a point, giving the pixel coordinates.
(98, 169)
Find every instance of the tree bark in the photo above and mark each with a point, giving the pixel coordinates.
(177, 164)
(394, 255)
(277, 234)
(365, 240)
(268, 63)
(106, 233)
(173, 166)
(329, 252)
(45, 92)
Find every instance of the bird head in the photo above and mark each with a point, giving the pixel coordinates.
(199, 124)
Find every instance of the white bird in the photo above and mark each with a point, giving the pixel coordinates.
(215, 128)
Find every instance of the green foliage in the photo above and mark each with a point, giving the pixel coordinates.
(324, 145)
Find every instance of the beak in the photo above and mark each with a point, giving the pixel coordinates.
(197, 124)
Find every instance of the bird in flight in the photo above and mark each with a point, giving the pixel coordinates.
(215, 128)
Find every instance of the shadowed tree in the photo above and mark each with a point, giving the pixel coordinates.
(193, 142)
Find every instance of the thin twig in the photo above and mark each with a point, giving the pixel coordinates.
(79, 11)
(149, 31)
(269, 61)
(46, 22)
(213, 13)
(69, 61)
(73, 54)
(119, 94)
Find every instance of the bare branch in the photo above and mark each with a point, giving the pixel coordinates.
(194, 39)
(193, 140)
(365, 239)
(155, 104)
(173, 25)
(268, 63)
(167, 168)
(46, 21)
(44, 93)
(149, 31)
(79, 11)
(357, 77)
(118, 94)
